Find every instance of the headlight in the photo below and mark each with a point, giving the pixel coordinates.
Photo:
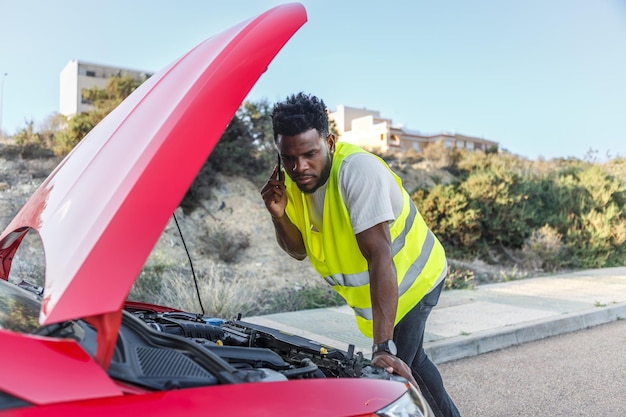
(411, 404)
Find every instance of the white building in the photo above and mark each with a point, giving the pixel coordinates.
(367, 129)
(78, 76)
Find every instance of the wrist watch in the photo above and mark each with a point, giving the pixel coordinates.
(386, 346)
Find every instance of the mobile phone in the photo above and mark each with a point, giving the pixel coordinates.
(279, 163)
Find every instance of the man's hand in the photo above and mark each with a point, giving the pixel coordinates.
(274, 194)
(393, 364)
(288, 236)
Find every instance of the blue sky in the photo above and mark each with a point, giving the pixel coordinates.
(544, 78)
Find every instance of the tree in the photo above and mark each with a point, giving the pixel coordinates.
(105, 100)
(50, 128)
(246, 149)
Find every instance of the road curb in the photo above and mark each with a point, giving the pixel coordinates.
(464, 346)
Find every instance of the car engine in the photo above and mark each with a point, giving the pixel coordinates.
(160, 348)
(172, 349)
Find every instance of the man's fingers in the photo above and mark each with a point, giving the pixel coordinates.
(278, 174)
(393, 364)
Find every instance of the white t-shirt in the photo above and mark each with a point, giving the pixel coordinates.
(369, 191)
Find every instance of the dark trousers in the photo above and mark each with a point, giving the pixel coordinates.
(409, 338)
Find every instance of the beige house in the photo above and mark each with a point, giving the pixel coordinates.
(367, 129)
(78, 76)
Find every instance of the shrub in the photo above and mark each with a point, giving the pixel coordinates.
(499, 201)
(442, 156)
(595, 230)
(459, 279)
(28, 144)
(544, 249)
(499, 196)
(448, 214)
(226, 244)
(597, 238)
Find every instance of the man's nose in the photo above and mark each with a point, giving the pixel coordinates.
(299, 165)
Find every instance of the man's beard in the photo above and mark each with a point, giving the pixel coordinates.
(323, 175)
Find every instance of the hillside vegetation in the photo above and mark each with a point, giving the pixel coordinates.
(499, 216)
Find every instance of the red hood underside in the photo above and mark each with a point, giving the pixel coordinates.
(101, 211)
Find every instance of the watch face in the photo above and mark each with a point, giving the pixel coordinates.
(387, 346)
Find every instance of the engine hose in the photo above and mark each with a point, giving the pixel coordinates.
(308, 368)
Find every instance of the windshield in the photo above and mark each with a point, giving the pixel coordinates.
(19, 310)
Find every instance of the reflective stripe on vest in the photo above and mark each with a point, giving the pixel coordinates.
(363, 278)
(366, 313)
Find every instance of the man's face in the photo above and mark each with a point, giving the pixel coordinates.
(307, 158)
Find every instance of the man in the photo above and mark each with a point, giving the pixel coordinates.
(348, 212)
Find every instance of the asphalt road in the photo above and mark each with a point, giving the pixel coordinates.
(575, 374)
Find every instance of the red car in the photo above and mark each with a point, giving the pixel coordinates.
(76, 347)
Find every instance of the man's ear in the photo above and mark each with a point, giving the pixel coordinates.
(331, 140)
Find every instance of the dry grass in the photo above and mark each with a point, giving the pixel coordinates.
(165, 282)
(221, 297)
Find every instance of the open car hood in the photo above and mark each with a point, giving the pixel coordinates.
(102, 210)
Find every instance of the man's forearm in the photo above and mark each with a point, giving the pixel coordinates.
(289, 237)
(384, 296)
(375, 245)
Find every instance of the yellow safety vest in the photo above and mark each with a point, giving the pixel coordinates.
(418, 256)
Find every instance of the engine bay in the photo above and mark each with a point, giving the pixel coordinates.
(172, 349)
(160, 348)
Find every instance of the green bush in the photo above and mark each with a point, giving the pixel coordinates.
(449, 215)
(500, 198)
(504, 204)
(595, 231)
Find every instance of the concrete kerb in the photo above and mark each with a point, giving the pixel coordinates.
(464, 346)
